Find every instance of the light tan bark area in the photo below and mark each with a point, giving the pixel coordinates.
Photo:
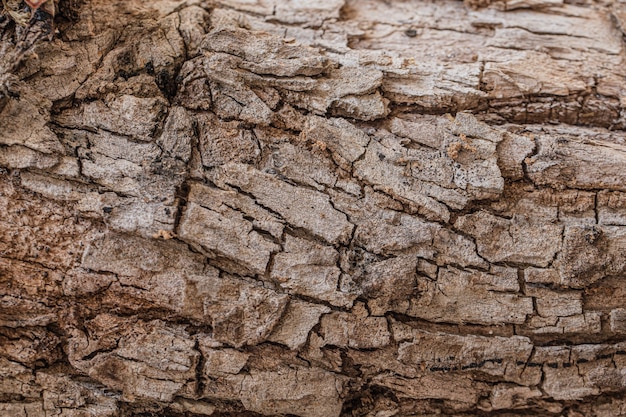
(327, 208)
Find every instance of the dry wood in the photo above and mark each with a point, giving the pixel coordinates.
(326, 208)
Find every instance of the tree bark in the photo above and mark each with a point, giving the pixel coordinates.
(329, 208)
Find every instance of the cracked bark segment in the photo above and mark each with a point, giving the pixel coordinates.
(310, 269)
(240, 312)
(291, 11)
(29, 346)
(239, 77)
(591, 253)
(587, 323)
(513, 4)
(156, 48)
(346, 91)
(447, 299)
(454, 388)
(219, 361)
(301, 207)
(612, 208)
(137, 172)
(75, 397)
(391, 232)
(151, 360)
(389, 284)
(436, 86)
(581, 371)
(457, 171)
(18, 379)
(178, 134)
(265, 54)
(356, 330)
(222, 231)
(618, 320)
(551, 303)
(143, 276)
(20, 157)
(211, 230)
(122, 214)
(541, 276)
(297, 321)
(127, 115)
(497, 356)
(572, 162)
(310, 168)
(213, 198)
(512, 152)
(509, 396)
(28, 108)
(26, 215)
(51, 391)
(307, 392)
(508, 45)
(520, 239)
(223, 142)
(340, 136)
(548, 205)
(451, 248)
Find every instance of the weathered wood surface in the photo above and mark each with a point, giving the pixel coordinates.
(329, 208)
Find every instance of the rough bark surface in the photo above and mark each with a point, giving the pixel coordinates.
(327, 208)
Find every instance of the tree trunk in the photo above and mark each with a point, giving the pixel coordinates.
(325, 208)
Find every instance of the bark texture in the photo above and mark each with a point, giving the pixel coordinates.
(327, 208)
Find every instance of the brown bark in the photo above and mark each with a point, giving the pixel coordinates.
(330, 208)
